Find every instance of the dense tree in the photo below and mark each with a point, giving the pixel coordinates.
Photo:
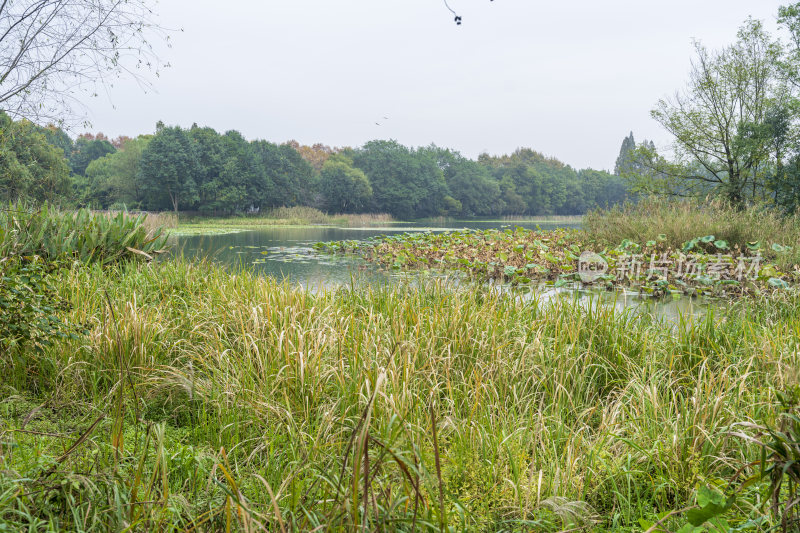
(58, 138)
(200, 170)
(290, 178)
(534, 184)
(208, 164)
(167, 170)
(113, 180)
(241, 184)
(295, 179)
(30, 167)
(316, 155)
(85, 150)
(470, 183)
(405, 183)
(345, 189)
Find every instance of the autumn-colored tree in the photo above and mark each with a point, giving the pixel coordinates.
(316, 154)
(120, 141)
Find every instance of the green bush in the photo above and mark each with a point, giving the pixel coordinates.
(29, 305)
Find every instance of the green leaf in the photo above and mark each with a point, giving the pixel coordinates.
(698, 517)
(778, 282)
(708, 495)
(689, 245)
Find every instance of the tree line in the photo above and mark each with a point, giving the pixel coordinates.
(200, 170)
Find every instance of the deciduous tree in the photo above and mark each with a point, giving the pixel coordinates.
(345, 189)
(717, 121)
(167, 170)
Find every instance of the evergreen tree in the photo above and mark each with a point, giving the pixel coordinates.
(626, 155)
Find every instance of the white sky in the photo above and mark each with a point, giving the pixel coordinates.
(567, 78)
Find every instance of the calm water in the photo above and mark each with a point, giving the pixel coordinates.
(286, 253)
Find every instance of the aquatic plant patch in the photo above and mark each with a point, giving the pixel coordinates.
(703, 265)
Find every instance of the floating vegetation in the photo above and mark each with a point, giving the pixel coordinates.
(704, 265)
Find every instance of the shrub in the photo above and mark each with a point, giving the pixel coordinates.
(29, 305)
(85, 236)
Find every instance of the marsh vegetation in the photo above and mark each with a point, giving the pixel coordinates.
(182, 395)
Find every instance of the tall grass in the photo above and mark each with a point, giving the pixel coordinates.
(510, 219)
(208, 401)
(681, 221)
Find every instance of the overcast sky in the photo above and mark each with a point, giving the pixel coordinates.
(567, 78)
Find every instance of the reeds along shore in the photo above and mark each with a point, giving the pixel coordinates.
(284, 216)
(204, 400)
(681, 221)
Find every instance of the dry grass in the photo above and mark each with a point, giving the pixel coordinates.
(152, 222)
(281, 216)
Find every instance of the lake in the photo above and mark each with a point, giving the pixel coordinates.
(286, 253)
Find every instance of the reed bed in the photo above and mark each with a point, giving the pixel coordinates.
(681, 221)
(153, 222)
(280, 216)
(204, 400)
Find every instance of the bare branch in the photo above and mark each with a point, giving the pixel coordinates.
(53, 51)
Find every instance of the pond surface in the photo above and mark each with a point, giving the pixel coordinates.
(286, 253)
